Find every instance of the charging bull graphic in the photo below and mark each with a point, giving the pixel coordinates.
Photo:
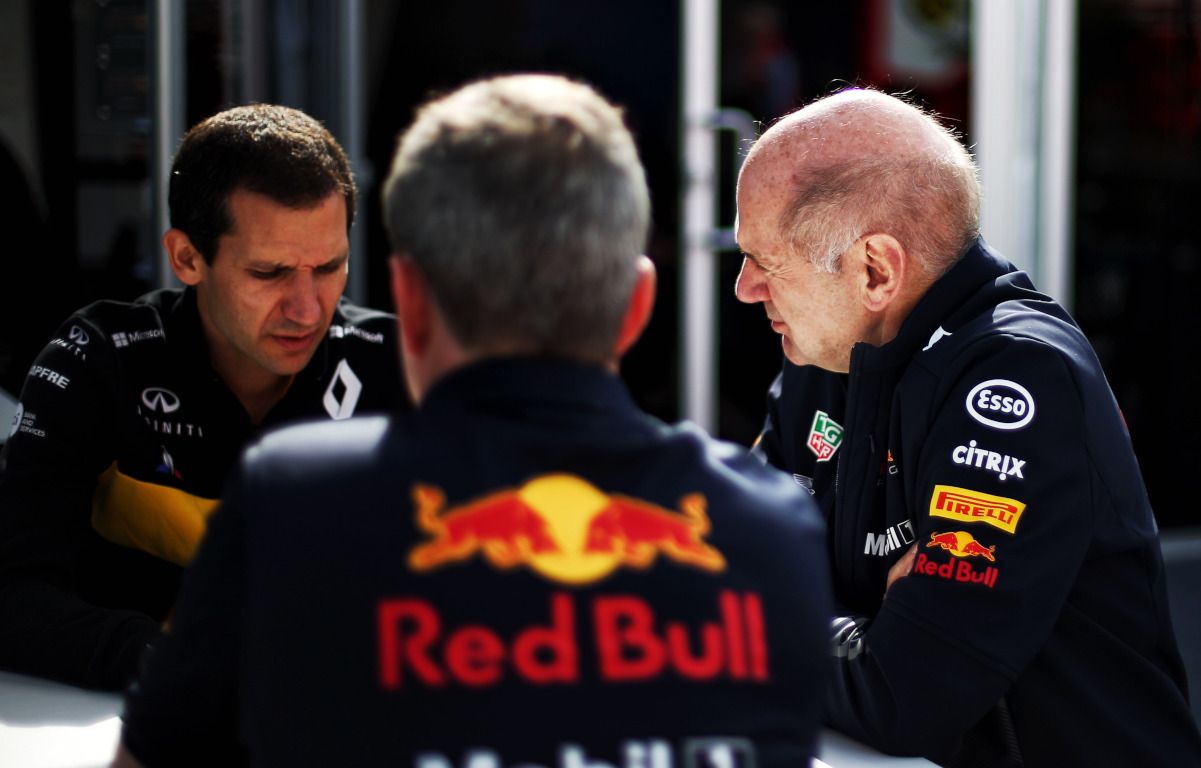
(961, 544)
(562, 527)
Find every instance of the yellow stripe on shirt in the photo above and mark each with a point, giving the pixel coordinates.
(165, 522)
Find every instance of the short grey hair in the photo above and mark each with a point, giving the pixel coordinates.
(523, 202)
(929, 201)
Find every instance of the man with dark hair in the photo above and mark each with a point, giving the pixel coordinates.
(958, 433)
(133, 414)
(538, 573)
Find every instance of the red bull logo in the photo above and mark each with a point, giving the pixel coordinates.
(975, 507)
(562, 527)
(961, 544)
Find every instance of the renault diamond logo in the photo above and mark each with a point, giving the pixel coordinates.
(342, 394)
(78, 335)
(161, 400)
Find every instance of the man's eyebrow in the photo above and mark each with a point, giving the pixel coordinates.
(275, 266)
(267, 266)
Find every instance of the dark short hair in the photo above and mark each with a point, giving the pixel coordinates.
(523, 202)
(271, 150)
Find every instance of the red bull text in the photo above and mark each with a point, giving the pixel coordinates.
(955, 570)
(632, 644)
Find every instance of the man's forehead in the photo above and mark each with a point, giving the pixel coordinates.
(854, 124)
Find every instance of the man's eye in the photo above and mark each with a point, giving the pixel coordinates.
(329, 269)
(268, 275)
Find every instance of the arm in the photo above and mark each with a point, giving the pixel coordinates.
(985, 592)
(52, 461)
(184, 708)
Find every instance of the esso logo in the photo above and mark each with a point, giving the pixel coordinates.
(1000, 404)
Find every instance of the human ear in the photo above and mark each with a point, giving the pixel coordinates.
(186, 262)
(638, 313)
(410, 295)
(885, 264)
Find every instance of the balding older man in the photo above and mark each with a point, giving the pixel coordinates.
(958, 432)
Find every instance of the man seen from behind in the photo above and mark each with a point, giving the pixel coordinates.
(537, 573)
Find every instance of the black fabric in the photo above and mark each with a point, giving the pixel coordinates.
(324, 530)
(73, 605)
(1035, 625)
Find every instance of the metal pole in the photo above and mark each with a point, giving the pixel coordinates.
(1058, 151)
(168, 122)
(698, 263)
(1023, 106)
(352, 42)
(1004, 108)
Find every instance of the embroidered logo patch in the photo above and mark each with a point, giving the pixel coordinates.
(975, 507)
(962, 544)
(1001, 404)
(824, 436)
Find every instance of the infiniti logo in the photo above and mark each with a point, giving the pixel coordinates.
(159, 399)
(78, 335)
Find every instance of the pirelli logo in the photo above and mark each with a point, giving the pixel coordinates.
(975, 507)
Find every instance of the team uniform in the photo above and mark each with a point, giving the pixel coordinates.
(122, 441)
(1034, 628)
(537, 573)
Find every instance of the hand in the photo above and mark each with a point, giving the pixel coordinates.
(901, 568)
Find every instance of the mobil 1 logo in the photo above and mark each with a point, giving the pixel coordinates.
(1000, 404)
(695, 752)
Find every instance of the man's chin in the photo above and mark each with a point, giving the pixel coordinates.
(289, 365)
(792, 353)
(796, 358)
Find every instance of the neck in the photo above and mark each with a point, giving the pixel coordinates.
(259, 401)
(258, 392)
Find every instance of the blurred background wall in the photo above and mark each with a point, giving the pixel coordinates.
(82, 127)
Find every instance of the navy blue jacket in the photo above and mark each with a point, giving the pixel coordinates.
(1034, 627)
(526, 570)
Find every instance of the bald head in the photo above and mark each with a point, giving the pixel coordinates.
(861, 161)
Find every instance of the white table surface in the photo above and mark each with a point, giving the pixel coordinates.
(49, 725)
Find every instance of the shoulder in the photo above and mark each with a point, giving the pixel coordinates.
(313, 451)
(114, 317)
(91, 337)
(740, 482)
(1015, 340)
(364, 336)
(370, 326)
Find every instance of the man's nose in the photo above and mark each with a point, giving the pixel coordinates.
(302, 305)
(751, 286)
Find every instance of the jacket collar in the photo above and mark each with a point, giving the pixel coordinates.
(971, 284)
(541, 383)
